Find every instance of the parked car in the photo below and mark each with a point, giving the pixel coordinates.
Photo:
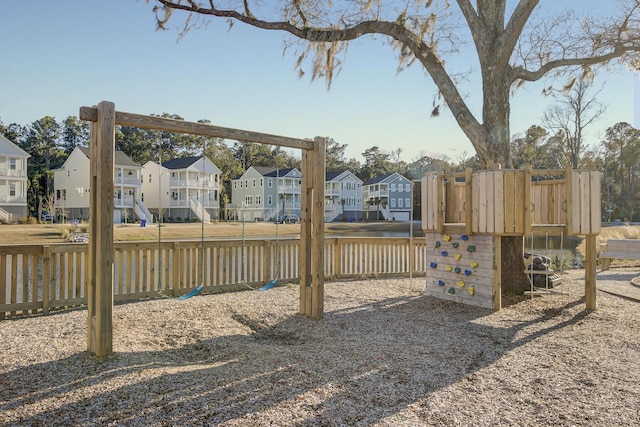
(46, 216)
(288, 219)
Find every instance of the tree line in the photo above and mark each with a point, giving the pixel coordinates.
(617, 156)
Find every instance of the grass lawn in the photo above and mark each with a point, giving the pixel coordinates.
(54, 233)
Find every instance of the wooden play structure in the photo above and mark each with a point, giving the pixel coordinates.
(466, 214)
(104, 119)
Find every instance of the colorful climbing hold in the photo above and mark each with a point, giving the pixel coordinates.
(437, 245)
(444, 253)
(448, 268)
(451, 291)
(461, 283)
(473, 264)
(467, 272)
(457, 270)
(433, 265)
(441, 283)
(447, 237)
(471, 290)
(457, 257)
(455, 244)
(464, 237)
(471, 248)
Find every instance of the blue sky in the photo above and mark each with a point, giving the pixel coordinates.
(61, 55)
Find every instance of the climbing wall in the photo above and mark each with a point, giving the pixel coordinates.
(461, 268)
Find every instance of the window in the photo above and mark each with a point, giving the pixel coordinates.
(142, 197)
(258, 200)
(254, 183)
(261, 182)
(68, 172)
(407, 187)
(57, 194)
(149, 177)
(248, 200)
(408, 203)
(393, 187)
(269, 200)
(12, 189)
(270, 181)
(12, 164)
(246, 183)
(393, 202)
(399, 203)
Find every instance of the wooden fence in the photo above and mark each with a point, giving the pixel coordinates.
(40, 278)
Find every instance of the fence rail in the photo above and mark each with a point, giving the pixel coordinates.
(41, 278)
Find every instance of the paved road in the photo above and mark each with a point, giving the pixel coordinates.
(618, 281)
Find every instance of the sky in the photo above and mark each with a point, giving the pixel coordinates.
(61, 55)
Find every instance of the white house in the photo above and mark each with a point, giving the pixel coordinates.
(387, 197)
(13, 181)
(342, 196)
(263, 194)
(184, 188)
(71, 185)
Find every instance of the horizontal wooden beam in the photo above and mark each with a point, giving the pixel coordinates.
(180, 126)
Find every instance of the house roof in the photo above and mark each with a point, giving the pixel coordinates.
(9, 148)
(378, 179)
(181, 163)
(120, 159)
(333, 175)
(272, 172)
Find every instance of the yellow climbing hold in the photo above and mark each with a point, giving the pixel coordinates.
(461, 283)
(457, 257)
(473, 264)
(448, 268)
(447, 237)
(471, 291)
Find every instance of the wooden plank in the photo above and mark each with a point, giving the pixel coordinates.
(440, 204)
(585, 203)
(573, 202)
(519, 201)
(468, 179)
(14, 281)
(182, 126)
(510, 202)
(481, 188)
(498, 197)
(491, 200)
(595, 195)
(3, 283)
(304, 260)
(528, 199)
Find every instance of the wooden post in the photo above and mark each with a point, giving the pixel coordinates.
(46, 268)
(468, 201)
(317, 229)
(590, 272)
(305, 231)
(177, 270)
(100, 292)
(497, 280)
(528, 200)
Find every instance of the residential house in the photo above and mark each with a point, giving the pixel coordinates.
(71, 186)
(342, 197)
(387, 197)
(182, 189)
(13, 181)
(263, 194)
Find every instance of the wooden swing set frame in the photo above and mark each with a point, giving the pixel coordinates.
(104, 118)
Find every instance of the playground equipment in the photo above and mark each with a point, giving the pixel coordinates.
(104, 119)
(466, 215)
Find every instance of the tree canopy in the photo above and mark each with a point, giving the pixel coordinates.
(514, 43)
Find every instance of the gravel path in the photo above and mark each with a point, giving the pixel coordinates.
(384, 355)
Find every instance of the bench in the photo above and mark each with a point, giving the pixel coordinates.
(619, 249)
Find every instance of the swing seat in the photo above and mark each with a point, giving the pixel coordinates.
(193, 293)
(269, 285)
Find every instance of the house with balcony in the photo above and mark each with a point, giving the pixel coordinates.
(182, 189)
(13, 181)
(264, 194)
(387, 197)
(71, 185)
(342, 197)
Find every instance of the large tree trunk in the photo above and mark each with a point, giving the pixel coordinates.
(514, 280)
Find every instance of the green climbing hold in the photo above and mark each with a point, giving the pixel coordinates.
(437, 244)
(456, 244)
(451, 291)
(471, 248)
